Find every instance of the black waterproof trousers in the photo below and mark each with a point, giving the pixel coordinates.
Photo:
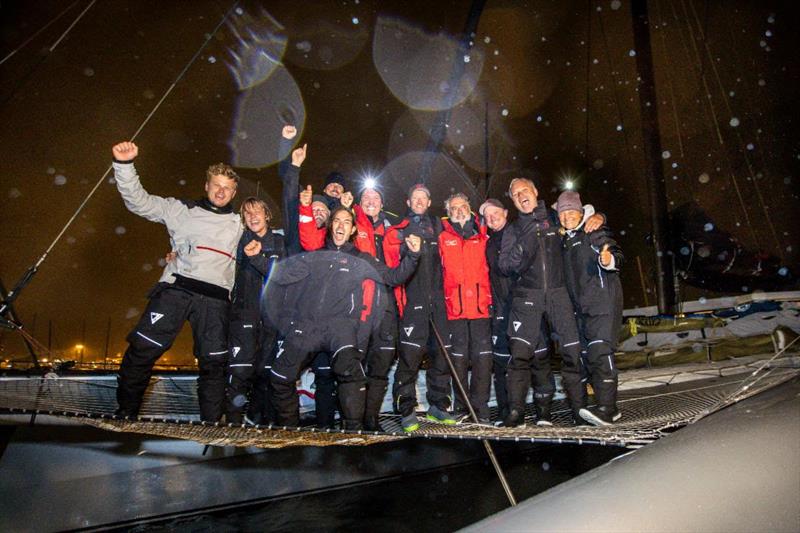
(600, 326)
(380, 356)
(302, 343)
(417, 338)
(169, 307)
(472, 350)
(250, 344)
(529, 352)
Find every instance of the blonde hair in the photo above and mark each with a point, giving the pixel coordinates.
(221, 169)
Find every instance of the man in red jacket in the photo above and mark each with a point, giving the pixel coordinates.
(468, 298)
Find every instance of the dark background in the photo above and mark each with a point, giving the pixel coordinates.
(553, 81)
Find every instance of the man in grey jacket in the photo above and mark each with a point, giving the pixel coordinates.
(195, 288)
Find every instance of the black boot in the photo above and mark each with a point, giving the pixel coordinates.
(372, 423)
(543, 415)
(352, 425)
(600, 415)
(514, 419)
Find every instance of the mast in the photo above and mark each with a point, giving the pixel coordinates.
(654, 172)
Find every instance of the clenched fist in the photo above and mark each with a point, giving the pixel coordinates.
(126, 151)
(289, 131)
(252, 248)
(414, 243)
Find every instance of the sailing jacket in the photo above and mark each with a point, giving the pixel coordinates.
(467, 291)
(501, 283)
(340, 282)
(425, 285)
(253, 271)
(532, 248)
(590, 284)
(207, 235)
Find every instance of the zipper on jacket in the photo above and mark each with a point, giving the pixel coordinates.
(543, 258)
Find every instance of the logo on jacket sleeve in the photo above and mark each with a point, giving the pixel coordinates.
(155, 317)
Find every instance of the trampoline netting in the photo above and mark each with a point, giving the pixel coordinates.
(170, 410)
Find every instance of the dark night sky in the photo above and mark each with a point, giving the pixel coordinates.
(369, 77)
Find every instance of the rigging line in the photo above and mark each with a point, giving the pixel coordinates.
(588, 73)
(26, 278)
(614, 91)
(662, 32)
(36, 34)
(74, 22)
(756, 374)
(702, 73)
(742, 149)
(698, 64)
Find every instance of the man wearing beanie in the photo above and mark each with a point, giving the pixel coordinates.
(420, 301)
(592, 262)
(531, 249)
(333, 190)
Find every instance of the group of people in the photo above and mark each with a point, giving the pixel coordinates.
(348, 288)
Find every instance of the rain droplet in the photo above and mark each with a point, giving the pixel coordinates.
(239, 11)
(148, 94)
(768, 33)
(51, 170)
(771, 19)
(539, 118)
(615, 4)
(762, 44)
(504, 112)
(88, 71)
(545, 466)
(750, 146)
(702, 299)
(14, 193)
(112, 181)
(147, 267)
(598, 164)
(120, 230)
(181, 182)
(212, 59)
(704, 178)
(761, 83)
(71, 240)
(466, 59)
(789, 248)
(60, 179)
(632, 53)
(162, 262)
(666, 154)
(355, 20)
(734, 122)
(622, 232)
(745, 288)
(783, 271)
(708, 227)
(619, 127)
(487, 40)
(685, 250)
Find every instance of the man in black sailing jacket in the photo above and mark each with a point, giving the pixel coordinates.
(531, 249)
(346, 285)
(592, 262)
(251, 340)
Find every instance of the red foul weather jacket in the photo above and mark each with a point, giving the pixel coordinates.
(467, 289)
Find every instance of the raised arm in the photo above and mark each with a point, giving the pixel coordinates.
(289, 171)
(137, 200)
(610, 255)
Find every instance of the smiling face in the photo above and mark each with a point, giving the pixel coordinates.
(496, 217)
(321, 214)
(256, 219)
(570, 218)
(524, 195)
(371, 202)
(419, 202)
(334, 190)
(458, 210)
(342, 227)
(220, 190)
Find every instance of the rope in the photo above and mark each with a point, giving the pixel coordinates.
(13, 294)
(36, 34)
(74, 22)
(661, 33)
(738, 135)
(698, 64)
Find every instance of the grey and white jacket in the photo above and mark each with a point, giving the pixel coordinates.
(205, 238)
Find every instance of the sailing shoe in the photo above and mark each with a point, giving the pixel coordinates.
(371, 423)
(543, 416)
(600, 415)
(410, 423)
(514, 419)
(441, 416)
(125, 412)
